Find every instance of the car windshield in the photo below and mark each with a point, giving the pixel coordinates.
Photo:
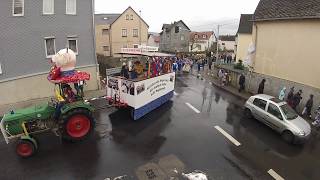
(289, 113)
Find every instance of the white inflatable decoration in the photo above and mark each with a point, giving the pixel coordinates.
(196, 175)
(65, 59)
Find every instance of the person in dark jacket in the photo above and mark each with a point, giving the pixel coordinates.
(124, 71)
(296, 99)
(290, 96)
(261, 86)
(307, 109)
(242, 81)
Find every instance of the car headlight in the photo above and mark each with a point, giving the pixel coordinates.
(302, 133)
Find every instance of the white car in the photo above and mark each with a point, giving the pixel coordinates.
(279, 116)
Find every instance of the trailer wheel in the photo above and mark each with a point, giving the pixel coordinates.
(77, 124)
(25, 148)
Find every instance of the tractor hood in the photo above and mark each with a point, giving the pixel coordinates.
(40, 111)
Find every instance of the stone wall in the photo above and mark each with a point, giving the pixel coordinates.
(273, 85)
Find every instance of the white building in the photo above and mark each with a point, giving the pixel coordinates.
(227, 42)
(201, 41)
(153, 39)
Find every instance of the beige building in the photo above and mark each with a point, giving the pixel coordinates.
(116, 31)
(287, 41)
(243, 37)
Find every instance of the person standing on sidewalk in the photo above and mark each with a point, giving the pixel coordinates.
(261, 86)
(290, 97)
(199, 65)
(242, 81)
(282, 93)
(307, 109)
(296, 99)
(210, 63)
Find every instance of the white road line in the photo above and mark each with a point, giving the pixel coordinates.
(275, 175)
(193, 108)
(233, 140)
(176, 94)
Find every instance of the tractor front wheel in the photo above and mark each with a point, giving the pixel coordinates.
(77, 124)
(25, 148)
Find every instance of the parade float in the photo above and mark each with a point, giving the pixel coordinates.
(152, 88)
(67, 115)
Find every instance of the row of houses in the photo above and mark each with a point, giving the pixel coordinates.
(280, 43)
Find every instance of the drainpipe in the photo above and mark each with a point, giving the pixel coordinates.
(94, 46)
(254, 60)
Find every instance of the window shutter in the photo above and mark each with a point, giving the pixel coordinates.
(48, 6)
(71, 7)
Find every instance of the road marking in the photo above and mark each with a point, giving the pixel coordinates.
(233, 140)
(275, 175)
(193, 108)
(176, 94)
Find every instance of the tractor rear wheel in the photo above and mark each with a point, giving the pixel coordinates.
(77, 124)
(25, 148)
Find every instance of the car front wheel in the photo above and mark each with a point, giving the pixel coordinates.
(247, 113)
(287, 136)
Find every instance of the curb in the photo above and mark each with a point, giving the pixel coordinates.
(217, 85)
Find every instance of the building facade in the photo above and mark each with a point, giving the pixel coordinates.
(244, 37)
(116, 31)
(153, 40)
(227, 43)
(31, 33)
(201, 41)
(286, 42)
(175, 37)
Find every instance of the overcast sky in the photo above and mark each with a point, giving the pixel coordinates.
(199, 15)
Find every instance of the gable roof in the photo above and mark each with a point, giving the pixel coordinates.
(100, 19)
(207, 34)
(227, 38)
(245, 24)
(113, 17)
(170, 26)
(287, 9)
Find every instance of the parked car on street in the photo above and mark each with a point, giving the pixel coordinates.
(279, 116)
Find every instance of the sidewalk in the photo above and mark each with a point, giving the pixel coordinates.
(211, 76)
(23, 104)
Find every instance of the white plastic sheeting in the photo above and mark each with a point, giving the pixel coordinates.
(195, 175)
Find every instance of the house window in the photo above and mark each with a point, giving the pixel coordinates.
(135, 32)
(18, 7)
(124, 32)
(182, 37)
(196, 36)
(204, 36)
(71, 7)
(135, 46)
(105, 48)
(127, 17)
(131, 17)
(73, 44)
(105, 31)
(48, 7)
(50, 46)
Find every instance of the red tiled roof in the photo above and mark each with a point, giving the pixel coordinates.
(157, 39)
(201, 35)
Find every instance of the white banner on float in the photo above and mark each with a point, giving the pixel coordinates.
(139, 93)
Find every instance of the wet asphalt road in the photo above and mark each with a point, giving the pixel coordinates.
(120, 146)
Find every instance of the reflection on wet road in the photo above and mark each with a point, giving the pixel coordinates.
(173, 138)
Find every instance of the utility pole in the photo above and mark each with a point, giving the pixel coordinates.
(217, 51)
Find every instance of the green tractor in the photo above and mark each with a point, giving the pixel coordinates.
(67, 115)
